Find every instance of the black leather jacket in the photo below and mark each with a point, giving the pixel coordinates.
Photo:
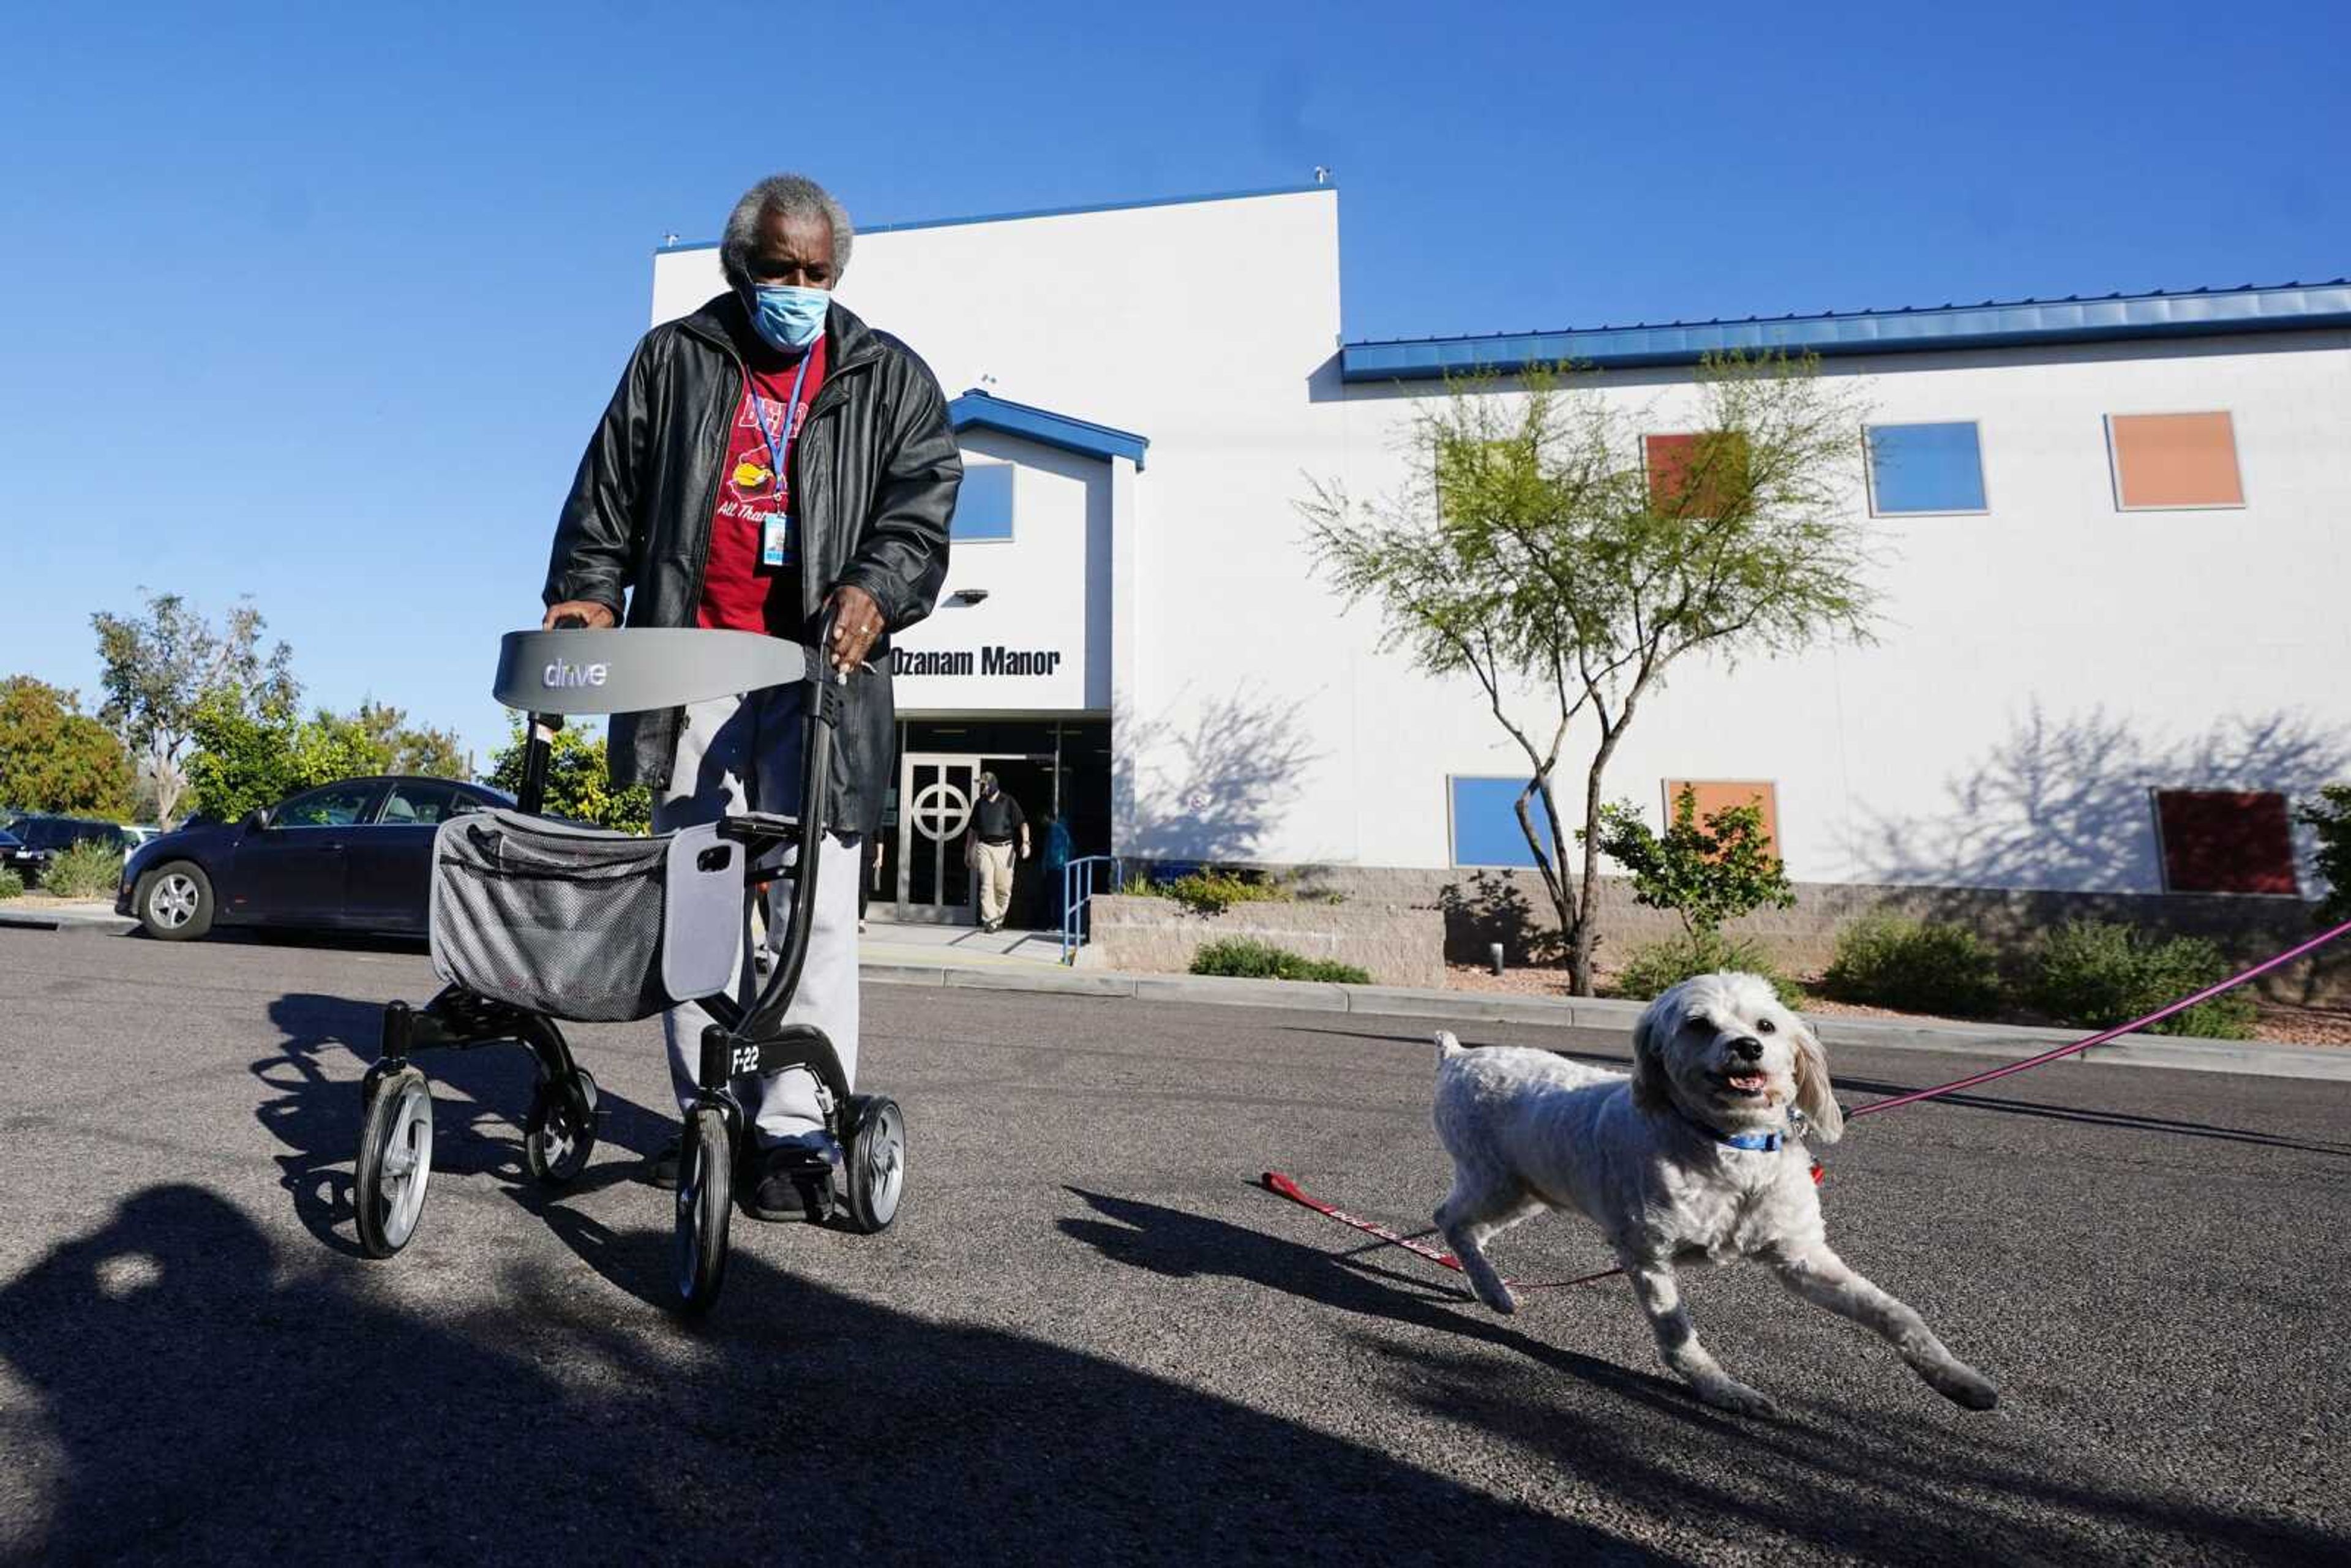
(873, 480)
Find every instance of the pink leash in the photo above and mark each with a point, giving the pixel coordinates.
(2206, 995)
(1283, 1185)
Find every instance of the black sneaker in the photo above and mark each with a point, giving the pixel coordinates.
(661, 1169)
(795, 1183)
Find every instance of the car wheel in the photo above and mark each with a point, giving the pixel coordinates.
(175, 902)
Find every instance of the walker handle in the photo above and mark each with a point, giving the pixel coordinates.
(538, 744)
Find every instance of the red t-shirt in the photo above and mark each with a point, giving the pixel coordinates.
(738, 593)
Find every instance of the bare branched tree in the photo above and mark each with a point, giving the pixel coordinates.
(162, 664)
(1540, 545)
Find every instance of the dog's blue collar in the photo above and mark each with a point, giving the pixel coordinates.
(1754, 1142)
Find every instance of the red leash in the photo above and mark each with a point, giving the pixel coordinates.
(1275, 1182)
(1283, 1185)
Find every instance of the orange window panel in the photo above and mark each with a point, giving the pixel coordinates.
(2226, 841)
(1714, 794)
(1697, 475)
(2174, 460)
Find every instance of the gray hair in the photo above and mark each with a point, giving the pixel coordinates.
(795, 196)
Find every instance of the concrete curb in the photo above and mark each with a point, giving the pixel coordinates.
(2006, 1041)
(59, 919)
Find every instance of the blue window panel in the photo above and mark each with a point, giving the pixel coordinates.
(983, 504)
(1926, 469)
(1486, 823)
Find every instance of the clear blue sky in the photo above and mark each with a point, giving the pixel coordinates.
(318, 303)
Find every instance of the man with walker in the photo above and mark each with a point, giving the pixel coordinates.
(767, 461)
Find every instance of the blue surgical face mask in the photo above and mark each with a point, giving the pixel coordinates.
(789, 318)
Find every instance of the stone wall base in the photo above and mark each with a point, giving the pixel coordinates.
(1475, 909)
(1397, 944)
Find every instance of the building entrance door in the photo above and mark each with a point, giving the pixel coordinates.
(935, 793)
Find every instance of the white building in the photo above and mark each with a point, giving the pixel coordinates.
(2114, 576)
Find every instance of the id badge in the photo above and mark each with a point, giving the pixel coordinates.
(776, 540)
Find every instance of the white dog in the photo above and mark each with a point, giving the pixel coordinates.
(1696, 1156)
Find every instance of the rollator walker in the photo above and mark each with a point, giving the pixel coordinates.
(536, 921)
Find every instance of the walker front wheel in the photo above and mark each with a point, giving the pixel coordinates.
(705, 1181)
(560, 1133)
(875, 1162)
(395, 1162)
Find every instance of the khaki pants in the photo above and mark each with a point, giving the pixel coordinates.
(995, 867)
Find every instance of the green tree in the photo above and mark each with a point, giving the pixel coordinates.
(55, 757)
(578, 784)
(161, 665)
(1708, 871)
(1533, 548)
(399, 746)
(246, 757)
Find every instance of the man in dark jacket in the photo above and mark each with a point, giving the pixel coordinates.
(767, 460)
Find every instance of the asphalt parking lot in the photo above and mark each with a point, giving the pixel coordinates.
(1090, 1337)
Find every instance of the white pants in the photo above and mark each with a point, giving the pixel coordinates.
(995, 880)
(742, 754)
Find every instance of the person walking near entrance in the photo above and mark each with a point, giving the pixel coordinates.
(767, 461)
(997, 823)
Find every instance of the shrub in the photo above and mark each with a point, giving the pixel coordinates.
(1652, 967)
(1707, 873)
(2330, 817)
(1211, 892)
(1919, 968)
(1263, 961)
(11, 884)
(89, 870)
(2095, 974)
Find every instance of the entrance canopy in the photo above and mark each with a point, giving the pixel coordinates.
(1024, 625)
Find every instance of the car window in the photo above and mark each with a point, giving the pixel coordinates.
(412, 804)
(336, 806)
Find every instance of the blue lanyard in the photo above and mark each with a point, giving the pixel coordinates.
(777, 454)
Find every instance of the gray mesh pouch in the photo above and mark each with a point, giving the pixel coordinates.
(581, 924)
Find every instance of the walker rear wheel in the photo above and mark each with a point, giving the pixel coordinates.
(395, 1162)
(705, 1181)
(560, 1133)
(874, 1162)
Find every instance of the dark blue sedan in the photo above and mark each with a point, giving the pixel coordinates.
(353, 856)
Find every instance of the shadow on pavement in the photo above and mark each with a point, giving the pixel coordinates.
(1908, 1487)
(1173, 1243)
(202, 1398)
(480, 1096)
(1912, 1484)
(2128, 1121)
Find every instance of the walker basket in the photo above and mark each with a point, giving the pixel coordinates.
(581, 924)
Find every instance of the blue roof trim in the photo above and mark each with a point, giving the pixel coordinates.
(1051, 213)
(1079, 435)
(1991, 325)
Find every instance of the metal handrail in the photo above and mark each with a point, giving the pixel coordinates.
(1078, 891)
